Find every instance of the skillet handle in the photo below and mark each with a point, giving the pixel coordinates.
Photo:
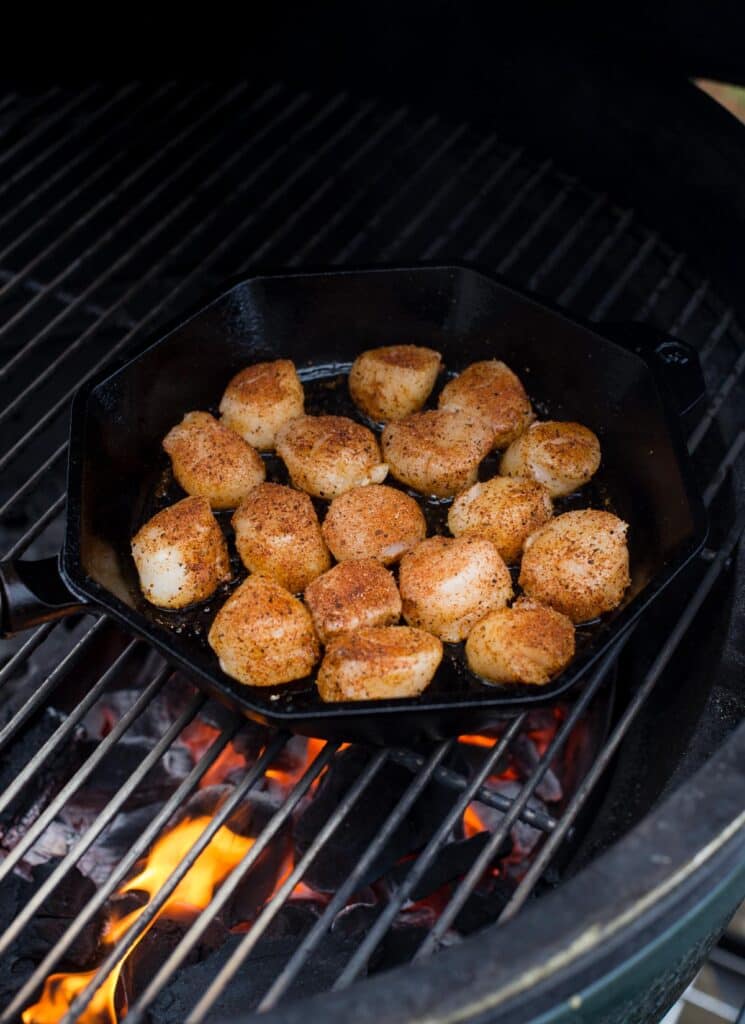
(675, 363)
(32, 592)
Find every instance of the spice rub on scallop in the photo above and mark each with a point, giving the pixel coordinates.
(526, 643)
(212, 461)
(263, 636)
(492, 391)
(277, 532)
(503, 510)
(181, 554)
(261, 399)
(373, 522)
(353, 595)
(437, 452)
(328, 455)
(394, 381)
(447, 585)
(378, 663)
(578, 563)
(561, 456)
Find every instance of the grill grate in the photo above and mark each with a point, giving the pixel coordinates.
(121, 208)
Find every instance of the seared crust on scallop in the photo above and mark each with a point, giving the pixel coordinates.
(181, 554)
(263, 635)
(378, 664)
(327, 455)
(447, 585)
(527, 643)
(561, 456)
(503, 510)
(351, 596)
(491, 390)
(277, 532)
(394, 381)
(373, 522)
(436, 452)
(212, 461)
(261, 399)
(578, 563)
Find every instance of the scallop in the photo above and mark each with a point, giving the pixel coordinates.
(578, 563)
(394, 381)
(373, 522)
(491, 390)
(527, 643)
(380, 663)
(212, 461)
(503, 510)
(436, 452)
(277, 532)
(351, 596)
(259, 400)
(447, 585)
(561, 456)
(181, 554)
(263, 636)
(328, 455)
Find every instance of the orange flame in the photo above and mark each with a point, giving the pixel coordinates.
(472, 823)
(193, 893)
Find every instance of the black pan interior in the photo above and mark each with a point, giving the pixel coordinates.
(119, 475)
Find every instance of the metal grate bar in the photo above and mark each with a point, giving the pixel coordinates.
(290, 970)
(583, 274)
(690, 307)
(426, 857)
(528, 236)
(136, 850)
(731, 456)
(665, 281)
(49, 120)
(51, 811)
(36, 638)
(228, 888)
(611, 294)
(41, 692)
(716, 335)
(498, 223)
(565, 244)
(255, 774)
(717, 402)
(35, 477)
(65, 728)
(38, 527)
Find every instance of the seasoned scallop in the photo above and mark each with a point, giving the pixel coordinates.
(448, 585)
(436, 452)
(263, 635)
(561, 456)
(527, 643)
(353, 595)
(578, 563)
(261, 399)
(491, 390)
(327, 455)
(277, 532)
(181, 554)
(212, 461)
(373, 522)
(394, 381)
(504, 511)
(378, 663)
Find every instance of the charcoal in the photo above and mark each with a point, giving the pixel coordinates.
(397, 947)
(259, 971)
(294, 919)
(366, 819)
(525, 758)
(524, 837)
(159, 942)
(260, 882)
(123, 760)
(452, 861)
(354, 921)
(483, 906)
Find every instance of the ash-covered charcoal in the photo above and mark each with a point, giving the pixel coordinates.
(525, 757)
(524, 837)
(159, 942)
(366, 819)
(542, 719)
(355, 920)
(23, 811)
(124, 759)
(110, 847)
(258, 972)
(484, 905)
(452, 861)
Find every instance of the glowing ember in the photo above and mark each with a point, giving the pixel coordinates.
(478, 741)
(472, 823)
(193, 893)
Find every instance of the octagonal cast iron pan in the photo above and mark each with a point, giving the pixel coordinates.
(630, 390)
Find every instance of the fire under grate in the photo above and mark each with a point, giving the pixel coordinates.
(121, 209)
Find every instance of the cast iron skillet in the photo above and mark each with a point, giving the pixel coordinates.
(630, 392)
